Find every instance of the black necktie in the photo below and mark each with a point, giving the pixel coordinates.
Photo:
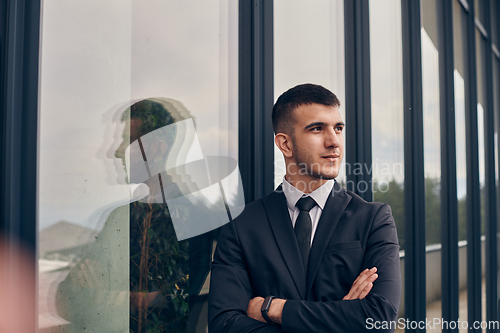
(303, 227)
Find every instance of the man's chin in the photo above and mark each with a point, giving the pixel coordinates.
(328, 171)
(325, 176)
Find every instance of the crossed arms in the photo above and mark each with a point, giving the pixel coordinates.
(360, 288)
(233, 306)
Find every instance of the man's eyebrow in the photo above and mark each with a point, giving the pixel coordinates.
(320, 123)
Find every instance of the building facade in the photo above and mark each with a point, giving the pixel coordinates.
(84, 83)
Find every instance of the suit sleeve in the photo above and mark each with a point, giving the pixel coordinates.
(360, 315)
(230, 289)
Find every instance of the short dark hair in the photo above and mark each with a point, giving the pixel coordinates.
(303, 94)
(152, 115)
(155, 113)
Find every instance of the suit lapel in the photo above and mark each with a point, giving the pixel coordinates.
(334, 207)
(279, 218)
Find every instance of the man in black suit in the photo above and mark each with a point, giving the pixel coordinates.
(311, 256)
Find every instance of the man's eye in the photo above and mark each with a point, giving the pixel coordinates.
(339, 128)
(317, 128)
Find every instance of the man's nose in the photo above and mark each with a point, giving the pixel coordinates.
(120, 152)
(332, 139)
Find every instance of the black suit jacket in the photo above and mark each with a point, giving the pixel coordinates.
(257, 255)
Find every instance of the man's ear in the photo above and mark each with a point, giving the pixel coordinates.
(157, 150)
(284, 143)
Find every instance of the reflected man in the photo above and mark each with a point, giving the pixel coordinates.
(136, 264)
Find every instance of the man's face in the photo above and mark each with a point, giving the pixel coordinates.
(318, 141)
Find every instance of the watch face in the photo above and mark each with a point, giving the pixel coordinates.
(267, 303)
(265, 307)
(264, 304)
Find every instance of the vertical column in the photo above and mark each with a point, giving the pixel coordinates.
(3, 114)
(449, 208)
(20, 100)
(19, 103)
(473, 189)
(358, 100)
(256, 97)
(490, 186)
(415, 300)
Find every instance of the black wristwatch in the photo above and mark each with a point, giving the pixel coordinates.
(265, 307)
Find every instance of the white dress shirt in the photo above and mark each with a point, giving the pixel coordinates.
(320, 195)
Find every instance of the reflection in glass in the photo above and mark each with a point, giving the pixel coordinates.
(111, 256)
(387, 111)
(432, 161)
(461, 188)
(482, 171)
(461, 153)
(460, 75)
(482, 107)
(387, 107)
(496, 104)
(460, 60)
(309, 52)
(432, 151)
(482, 174)
(161, 271)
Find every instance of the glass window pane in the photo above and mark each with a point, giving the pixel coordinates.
(387, 110)
(482, 107)
(496, 101)
(128, 103)
(309, 52)
(432, 158)
(460, 77)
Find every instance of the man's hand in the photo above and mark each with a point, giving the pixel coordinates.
(362, 285)
(254, 307)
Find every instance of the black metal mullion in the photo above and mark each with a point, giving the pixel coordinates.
(497, 54)
(490, 183)
(3, 105)
(449, 206)
(415, 300)
(19, 101)
(20, 95)
(256, 98)
(473, 188)
(358, 99)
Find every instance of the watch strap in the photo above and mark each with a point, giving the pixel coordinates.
(265, 308)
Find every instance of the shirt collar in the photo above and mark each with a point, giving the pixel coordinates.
(320, 195)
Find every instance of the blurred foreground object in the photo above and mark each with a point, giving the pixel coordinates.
(17, 289)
